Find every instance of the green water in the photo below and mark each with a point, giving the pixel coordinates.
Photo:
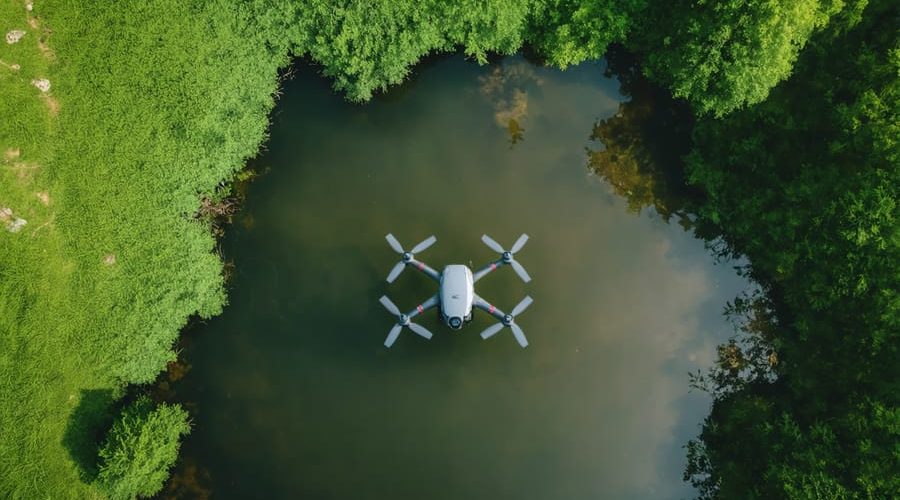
(292, 392)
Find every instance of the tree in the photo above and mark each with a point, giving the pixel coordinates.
(140, 449)
(366, 46)
(567, 32)
(723, 56)
(806, 186)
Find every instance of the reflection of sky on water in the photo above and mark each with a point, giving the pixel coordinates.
(296, 394)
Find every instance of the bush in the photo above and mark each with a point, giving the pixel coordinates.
(140, 449)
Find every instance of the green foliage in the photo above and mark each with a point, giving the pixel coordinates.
(806, 186)
(567, 32)
(366, 46)
(722, 56)
(140, 449)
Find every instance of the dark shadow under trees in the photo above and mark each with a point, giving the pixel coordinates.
(87, 425)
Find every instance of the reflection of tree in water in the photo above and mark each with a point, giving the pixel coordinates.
(641, 146)
(188, 481)
(504, 86)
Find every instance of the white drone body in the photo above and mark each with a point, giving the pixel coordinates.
(456, 295)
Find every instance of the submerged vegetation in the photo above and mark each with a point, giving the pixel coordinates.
(153, 106)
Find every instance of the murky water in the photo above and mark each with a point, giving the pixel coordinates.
(294, 395)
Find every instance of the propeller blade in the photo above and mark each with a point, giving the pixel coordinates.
(492, 244)
(392, 335)
(520, 335)
(520, 271)
(521, 306)
(427, 242)
(389, 305)
(398, 268)
(394, 243)
(519, 243)
(491, 330)
(421, 330)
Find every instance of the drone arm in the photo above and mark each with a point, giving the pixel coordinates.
(425, 269)
(489, 308)
(487, 269)
(424, 306)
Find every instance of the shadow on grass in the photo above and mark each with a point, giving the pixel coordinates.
(88, 424)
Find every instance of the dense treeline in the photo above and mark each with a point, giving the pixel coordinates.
(805, 184)
(151, 106)
(155, 105)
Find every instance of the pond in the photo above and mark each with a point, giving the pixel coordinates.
(292, 392)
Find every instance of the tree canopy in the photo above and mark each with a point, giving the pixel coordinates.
(140, 449)
(723, 56)
(805, 185)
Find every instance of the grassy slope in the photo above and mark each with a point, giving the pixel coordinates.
(158, 102)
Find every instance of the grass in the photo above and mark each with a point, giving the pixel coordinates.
(154, 105)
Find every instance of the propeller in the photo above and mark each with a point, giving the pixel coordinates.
(510, 321)
(402, 320)
(508, 254)
(405, 256)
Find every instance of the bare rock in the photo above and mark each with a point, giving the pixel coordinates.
(16, 225)
(13, 224)
(43, 84)
(29, 6)
(14, 36)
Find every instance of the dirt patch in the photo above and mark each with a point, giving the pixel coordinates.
(44, 37)
(44, 197)
(46, 51)
(52, 104)
(11, 154)
(109, 259)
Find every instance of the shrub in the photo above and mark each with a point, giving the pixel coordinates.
(140, 448)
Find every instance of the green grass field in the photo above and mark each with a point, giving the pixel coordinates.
(151, 105)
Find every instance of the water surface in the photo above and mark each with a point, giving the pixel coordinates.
(294, 395)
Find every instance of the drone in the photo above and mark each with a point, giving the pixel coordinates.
(456, 294)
